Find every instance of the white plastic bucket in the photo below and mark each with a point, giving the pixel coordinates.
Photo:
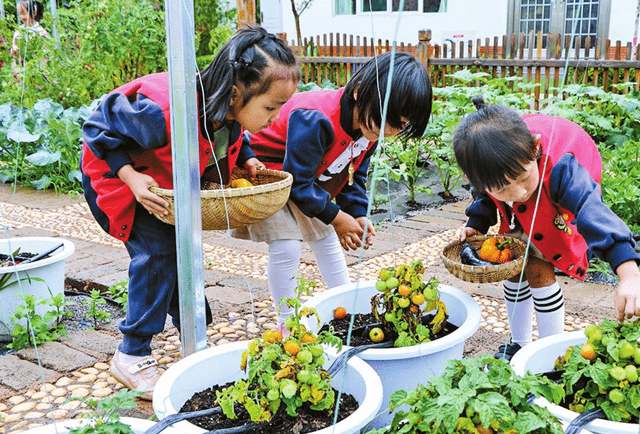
(540, 356)
(221, 364)
(403, 368)
(50, 270)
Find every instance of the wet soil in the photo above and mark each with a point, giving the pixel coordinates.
(364, 322)
(306, 421)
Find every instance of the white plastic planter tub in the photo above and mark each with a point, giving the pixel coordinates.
(403, 368)
(540, 356)
(139, 426)
(35, 278)
(220, 365)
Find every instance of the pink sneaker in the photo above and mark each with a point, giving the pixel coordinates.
(284, 331)
(138, 373)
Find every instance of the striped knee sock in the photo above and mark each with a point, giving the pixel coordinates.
(519, 310)
(548, 302)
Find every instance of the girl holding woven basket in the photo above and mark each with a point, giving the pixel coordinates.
(127, 150)
(542, 174)
(325, 139)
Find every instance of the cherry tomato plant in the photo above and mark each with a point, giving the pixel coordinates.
(283, 371)
(475, 396)
(404, 298)
(603, 372)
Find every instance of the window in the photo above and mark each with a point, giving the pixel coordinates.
(409, 5)
(350, 7)
(345, 7)
(374, 5)
(582, 17)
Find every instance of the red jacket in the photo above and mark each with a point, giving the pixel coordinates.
(554, 232)
(112, 197)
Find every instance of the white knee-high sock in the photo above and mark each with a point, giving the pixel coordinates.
(548, 302)
(519, 307)
(330, 260)
(282, 269)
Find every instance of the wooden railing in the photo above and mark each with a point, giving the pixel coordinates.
(540, 60)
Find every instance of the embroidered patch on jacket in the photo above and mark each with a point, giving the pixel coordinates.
(560, 222)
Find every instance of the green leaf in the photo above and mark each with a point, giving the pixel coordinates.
(43, 158)
(18, 133)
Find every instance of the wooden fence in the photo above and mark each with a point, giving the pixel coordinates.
(538, 59)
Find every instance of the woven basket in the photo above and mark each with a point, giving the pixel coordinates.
(484, 274)
(242, 206)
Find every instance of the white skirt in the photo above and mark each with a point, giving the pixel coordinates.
(289, 223)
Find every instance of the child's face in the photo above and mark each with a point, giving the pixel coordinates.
(24, 14)
(521, 188)
(373, 133)
(261, 110)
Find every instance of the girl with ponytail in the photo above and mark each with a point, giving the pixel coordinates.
(127, 149)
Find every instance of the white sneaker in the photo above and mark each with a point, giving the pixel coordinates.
(139, 373)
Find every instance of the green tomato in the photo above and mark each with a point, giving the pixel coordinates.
(636, 356)
(381, 286)
(314, 377)
(627, 350)
(288, 388)
(376, 335)
(392, 282)
(403, 302)
(290, 323)
(316, 350)
(616, 396)
(589, 329)
(273, 394)
(303, 376)
(618, 373)
(319, 360)
(304, 357)
(389, 317)
(596, 336)
(631, 373)
(430, 293)
(385, 273)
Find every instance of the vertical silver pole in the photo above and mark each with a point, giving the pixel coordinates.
(186, 173)
(2, 15)
(54, 14)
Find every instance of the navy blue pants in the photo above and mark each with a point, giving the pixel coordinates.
(153, 283)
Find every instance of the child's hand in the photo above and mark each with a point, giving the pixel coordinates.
(468, 232)
(371, 232)
(252, 165)
(348, 230)
(139, 184)
(628, 292)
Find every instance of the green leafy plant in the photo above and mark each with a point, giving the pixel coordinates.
(402, 161)
(120, 293)
(404, 298)
(104, 413)
(283, 371)
(603, 372)
(37, 330)
(475, 396)
(94, 312)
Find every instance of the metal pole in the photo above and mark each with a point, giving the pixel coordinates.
(54, 13)
(186, 174)
(2, 15)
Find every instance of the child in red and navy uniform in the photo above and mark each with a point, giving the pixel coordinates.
(508, 158)
(325, 139)
(128, 149)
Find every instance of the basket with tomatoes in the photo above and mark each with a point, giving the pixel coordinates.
(484, 258)
(240, 203)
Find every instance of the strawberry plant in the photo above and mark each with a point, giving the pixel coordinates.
(403, 298)
(603, 372)
(283, 371)
(475, 396)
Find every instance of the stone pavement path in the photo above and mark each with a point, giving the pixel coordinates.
(36, 385)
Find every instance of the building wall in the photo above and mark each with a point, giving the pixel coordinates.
(465, 19)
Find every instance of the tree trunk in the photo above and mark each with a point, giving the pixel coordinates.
(296, 18)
